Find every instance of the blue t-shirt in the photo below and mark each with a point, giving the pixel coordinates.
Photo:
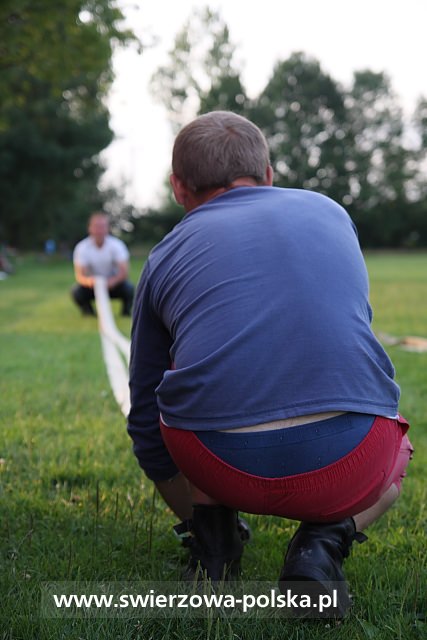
(259, 298)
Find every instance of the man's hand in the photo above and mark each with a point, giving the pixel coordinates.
(82, 278)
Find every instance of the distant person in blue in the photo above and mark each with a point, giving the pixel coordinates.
(101, 254)
(50, 247)
(256, 381)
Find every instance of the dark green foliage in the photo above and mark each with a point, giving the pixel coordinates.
(55, 68)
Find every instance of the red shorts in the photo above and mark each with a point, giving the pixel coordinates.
(341, 489)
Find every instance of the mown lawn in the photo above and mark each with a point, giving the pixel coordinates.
(75, 507)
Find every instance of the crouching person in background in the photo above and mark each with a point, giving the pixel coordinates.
(101, 254)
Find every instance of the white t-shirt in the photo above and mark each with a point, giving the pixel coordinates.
(100, 261)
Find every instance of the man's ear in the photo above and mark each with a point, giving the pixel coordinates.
(178, 188)
(269, 175)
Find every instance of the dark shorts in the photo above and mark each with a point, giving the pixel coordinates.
(339, 489)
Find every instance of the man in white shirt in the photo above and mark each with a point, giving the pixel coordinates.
(101, 254)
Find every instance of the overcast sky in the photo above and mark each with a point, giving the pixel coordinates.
(382, 35)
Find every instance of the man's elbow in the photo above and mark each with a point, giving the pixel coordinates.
(152, 455)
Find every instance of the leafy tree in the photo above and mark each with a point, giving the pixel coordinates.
(351, 144)
(377, 126)
(55, 67)
(201, 74)
(419, 124)
(382, 165)
(303, 116)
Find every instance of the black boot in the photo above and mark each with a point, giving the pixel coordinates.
(214, 542)
(316, 554)
(87, 309)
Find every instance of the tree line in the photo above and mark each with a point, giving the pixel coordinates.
(353, 143)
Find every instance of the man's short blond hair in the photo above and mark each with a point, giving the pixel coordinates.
(217, 148)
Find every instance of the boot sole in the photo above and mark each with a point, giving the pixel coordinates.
(314, 584)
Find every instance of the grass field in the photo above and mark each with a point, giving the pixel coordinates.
(75, 507)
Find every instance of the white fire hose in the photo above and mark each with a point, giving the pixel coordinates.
(115, 347)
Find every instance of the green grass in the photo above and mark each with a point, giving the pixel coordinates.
(74, 505)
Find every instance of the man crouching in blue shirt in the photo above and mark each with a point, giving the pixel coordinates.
(256, 381)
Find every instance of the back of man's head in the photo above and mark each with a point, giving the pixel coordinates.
(217, 148)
